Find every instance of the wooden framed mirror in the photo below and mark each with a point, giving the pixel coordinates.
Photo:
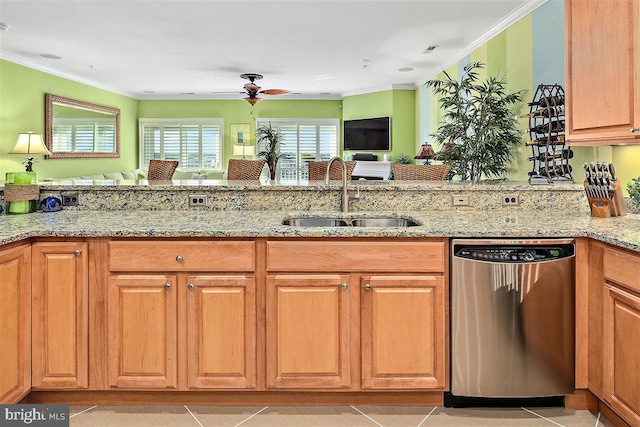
(78, 129)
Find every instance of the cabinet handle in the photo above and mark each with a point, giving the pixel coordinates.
(345, 286)
(634, 129)
(191, 286)
(367, 287)
(77, 252)
(179, 258)
(167, 286)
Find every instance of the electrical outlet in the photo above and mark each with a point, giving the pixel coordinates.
(460, 200)
(510, 220)
(197, 200)
(512, 199)
(70, 199)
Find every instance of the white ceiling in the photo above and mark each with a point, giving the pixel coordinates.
(197, 49)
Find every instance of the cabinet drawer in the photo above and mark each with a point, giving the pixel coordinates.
(181, 256)
(622, 268)
(370, 256)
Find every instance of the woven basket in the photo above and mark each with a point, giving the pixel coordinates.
(402, 172)
(244, 170)
(318, 170)
(161, 169)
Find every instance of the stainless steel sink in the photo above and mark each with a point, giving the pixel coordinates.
(315, 222)
(355, 222)
(383, 222)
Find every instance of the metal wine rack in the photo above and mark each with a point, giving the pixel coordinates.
(546, 130)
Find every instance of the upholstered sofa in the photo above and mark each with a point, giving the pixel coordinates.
(142, 174)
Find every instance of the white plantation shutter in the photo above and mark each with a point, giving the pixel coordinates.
(84, 135)
(195, 143)
(304, 140)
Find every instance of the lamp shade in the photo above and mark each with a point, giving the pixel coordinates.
(29, 143)
(425, 152)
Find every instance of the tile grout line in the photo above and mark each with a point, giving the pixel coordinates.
(366, 416)
(193, 415)
(245, 420)
(427, 416)
(82, 412)
(544, 418)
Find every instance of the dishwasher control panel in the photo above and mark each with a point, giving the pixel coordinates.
(514, 254)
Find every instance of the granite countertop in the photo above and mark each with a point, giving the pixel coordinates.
(620, 231)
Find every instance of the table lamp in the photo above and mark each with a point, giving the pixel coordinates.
(21, 190)
(426, 152)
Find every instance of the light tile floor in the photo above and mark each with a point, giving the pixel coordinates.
(329, 416)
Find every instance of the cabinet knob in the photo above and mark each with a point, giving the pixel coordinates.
(191, 286)
(345, 286)
(634, 129)
(77, 252)
(167, 286)
(367, 287)
(179, 258)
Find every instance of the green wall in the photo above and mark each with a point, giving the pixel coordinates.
(400, 105)
(22, 91)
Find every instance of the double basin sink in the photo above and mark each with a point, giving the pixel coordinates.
(349, 222)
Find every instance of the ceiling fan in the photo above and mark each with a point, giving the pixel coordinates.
(253, 90)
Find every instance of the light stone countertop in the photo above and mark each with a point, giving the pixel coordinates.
(620, 231)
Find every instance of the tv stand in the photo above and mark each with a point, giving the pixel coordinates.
(371, 170)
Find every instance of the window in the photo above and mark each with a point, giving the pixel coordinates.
(195, 143)
(84, 135)
(304, 140)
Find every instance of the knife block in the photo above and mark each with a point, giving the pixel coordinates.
(612, 206)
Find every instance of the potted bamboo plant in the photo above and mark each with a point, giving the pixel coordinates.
(479, 130)
(271, 137)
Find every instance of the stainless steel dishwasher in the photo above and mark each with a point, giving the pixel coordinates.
(512, 318)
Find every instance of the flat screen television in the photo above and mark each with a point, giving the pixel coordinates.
(372, 134)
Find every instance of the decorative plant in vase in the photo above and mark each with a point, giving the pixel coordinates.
(479, 130)
(633, 188)
(271, 154)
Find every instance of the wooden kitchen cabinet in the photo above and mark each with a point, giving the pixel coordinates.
(621, 333)
(221, 331)
(403, 332)
(602, 71)
(308, 331)
(15, 323)
(60, 315)
(172, 328)
(142, 336)
(396, 338)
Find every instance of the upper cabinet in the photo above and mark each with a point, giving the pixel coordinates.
(602, 71)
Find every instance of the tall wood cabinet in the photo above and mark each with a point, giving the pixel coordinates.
(60, 314)
(176, 304)
(602, 39)
(15, 323)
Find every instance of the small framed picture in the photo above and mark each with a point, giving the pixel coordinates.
(240, 133)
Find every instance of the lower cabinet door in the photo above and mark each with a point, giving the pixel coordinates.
(308, 331)
(621, 356)
(15, 323)
(60, 315)
(142, 331)
(403, 332)
(221, 331)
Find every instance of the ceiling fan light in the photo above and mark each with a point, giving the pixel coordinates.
(252, 100)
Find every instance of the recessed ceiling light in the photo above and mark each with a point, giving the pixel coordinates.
(405, 69)
(366, 60)
(187, 93)
(3, 26)
(50, 56)
(431, 48)
(148, 91)
(325, 93)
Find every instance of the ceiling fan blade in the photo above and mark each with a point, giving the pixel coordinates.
(275, 91)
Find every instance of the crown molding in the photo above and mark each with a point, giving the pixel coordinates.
(518, 13)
